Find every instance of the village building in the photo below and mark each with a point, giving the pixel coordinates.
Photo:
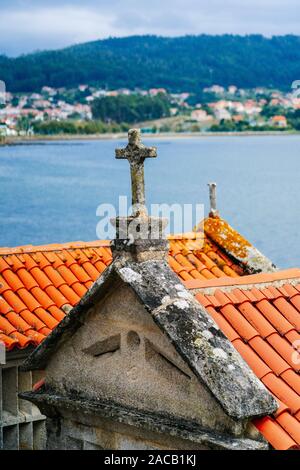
(217, 89)
(232, 89)
(222, 114)
(157, 91)
(278, 121)
(238, 118)
(200, 115)
(41, 288)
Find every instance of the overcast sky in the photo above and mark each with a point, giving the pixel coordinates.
(28, 25)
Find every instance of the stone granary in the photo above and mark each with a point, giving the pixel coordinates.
(139, 363)
(39, 285)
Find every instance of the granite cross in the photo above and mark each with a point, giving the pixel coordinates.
(135, 152)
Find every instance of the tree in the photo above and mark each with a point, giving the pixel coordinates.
(131, 109)
(24, 124)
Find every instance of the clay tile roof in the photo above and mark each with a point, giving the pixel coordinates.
(260, 314)
(39, 285)
(42, 283)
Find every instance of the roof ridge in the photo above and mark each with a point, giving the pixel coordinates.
(53, 247)
(82, 244)
(245, 281)
(186, 235)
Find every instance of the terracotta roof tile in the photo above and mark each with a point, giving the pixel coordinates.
(14, 301)
(56, 313)
(70, 295)
(261, 319)
(292, 336)
(56, 279)
(288, 311)
(23, 341)
(42, 297)
(56, 296)
(258, 321)
(203, 299)
(275, 434)
(258, 366)
(282, 390)
(18, 322)
(35, 322)
(269, 355)
(288, 291)
(281, 408)
(223, 324)
(9, 342)
(290, 425)
(284, 348)
(274, 316)
(46, 318)
(28, 281)
(12, 280)
(292, 379)
(4, 306)
(239, 323)
(41, 283)
(40, 277)
(213, 301)
(222, 298)
(31, 303)
(6, 327)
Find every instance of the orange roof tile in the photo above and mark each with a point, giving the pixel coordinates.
(40, 284)
(258, 315)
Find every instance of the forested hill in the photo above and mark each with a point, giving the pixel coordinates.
(178, 64)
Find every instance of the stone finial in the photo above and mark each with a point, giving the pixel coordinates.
(136, 153)
(134, 137)
(213, 212)
(138, 237)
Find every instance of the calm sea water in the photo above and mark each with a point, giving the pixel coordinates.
(49, 192)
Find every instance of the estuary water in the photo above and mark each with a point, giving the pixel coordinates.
(50, 191)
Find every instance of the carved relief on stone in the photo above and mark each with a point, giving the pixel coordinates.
(104, 348)
(136, 347)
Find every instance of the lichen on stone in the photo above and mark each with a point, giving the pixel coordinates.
(220, 353)
(131, 275)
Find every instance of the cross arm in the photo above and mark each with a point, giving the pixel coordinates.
(133, 153)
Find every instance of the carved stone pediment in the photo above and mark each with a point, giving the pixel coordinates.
(120, 354)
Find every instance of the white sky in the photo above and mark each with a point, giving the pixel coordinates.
(28, 25)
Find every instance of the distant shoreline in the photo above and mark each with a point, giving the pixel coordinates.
(20, 140)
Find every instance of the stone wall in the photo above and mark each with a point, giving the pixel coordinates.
(22, 426)
(94, 433)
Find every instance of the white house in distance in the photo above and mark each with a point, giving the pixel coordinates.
(200, 115)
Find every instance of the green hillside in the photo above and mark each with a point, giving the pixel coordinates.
(178, 64)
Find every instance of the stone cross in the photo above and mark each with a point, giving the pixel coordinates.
(135, 152)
